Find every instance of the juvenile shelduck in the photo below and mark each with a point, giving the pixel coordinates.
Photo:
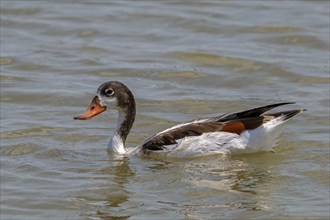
(246, 131)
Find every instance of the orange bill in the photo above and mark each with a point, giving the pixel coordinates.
(93, 109)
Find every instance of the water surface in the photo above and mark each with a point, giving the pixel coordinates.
(182, 60)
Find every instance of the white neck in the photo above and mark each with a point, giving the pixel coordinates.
(117, 142)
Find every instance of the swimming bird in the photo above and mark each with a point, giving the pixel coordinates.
(245, 131)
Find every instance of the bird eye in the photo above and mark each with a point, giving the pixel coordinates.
(108, 92)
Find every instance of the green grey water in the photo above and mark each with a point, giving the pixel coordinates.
(182, 60)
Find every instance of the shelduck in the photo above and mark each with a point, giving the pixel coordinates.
(245, 131)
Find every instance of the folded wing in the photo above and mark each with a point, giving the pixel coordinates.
(233, 123)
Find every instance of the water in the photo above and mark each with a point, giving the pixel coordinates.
(182, 60)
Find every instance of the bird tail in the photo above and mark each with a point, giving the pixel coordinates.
(286, 115)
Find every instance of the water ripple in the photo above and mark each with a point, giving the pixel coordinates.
(30, 132)
(19, 149)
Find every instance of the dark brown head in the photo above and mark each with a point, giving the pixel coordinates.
(112, 94)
